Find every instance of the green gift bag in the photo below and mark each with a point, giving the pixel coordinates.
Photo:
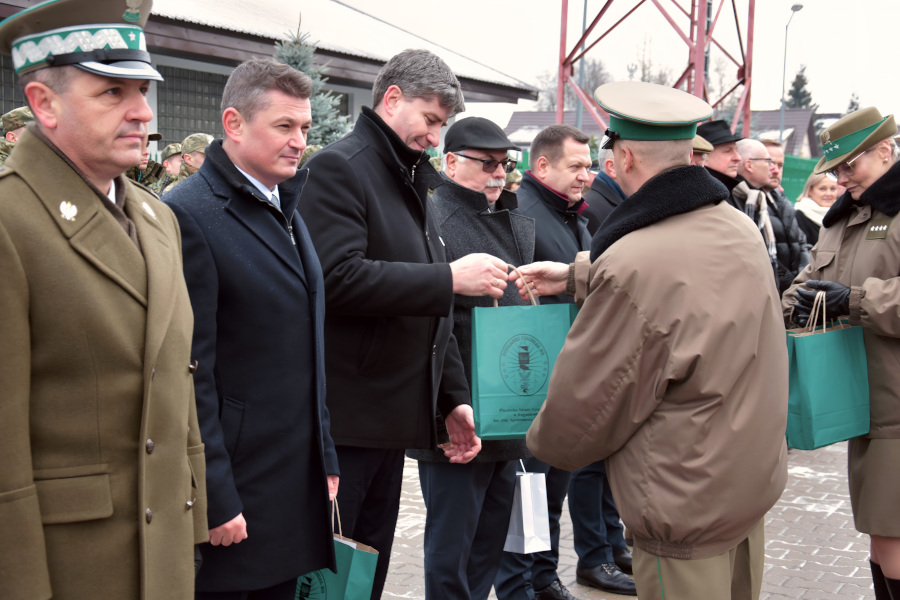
(829, 384)
(355, 572)
(514, 349)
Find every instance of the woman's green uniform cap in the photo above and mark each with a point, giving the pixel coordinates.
(850, 136)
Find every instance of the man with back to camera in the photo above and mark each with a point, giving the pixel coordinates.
(102, 491)
(258, 296)
(675, 370)
(468, 506)
(392, 360)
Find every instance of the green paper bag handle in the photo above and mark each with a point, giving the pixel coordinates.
(527, 289)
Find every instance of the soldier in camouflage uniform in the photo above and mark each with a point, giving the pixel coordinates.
(193, 153)
(14, 123)
(147, 172)
(171, 162)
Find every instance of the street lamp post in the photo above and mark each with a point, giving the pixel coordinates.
(794, 9)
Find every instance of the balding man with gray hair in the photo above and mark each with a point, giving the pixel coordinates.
(775, 217)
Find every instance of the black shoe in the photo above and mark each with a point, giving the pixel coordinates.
(607, 577)
(554, 591)
(623, 560)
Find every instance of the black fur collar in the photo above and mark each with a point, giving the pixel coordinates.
(673, 192)
(883, 196)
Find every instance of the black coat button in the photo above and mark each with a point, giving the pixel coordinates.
(192, 368)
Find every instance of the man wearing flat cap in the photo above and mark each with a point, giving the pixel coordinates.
(468, 505)
(675, 370)
(102, 490)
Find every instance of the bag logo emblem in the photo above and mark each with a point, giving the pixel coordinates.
(524, 365)
(311, 587)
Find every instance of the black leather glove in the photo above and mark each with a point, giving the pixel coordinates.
(837, 299)
(800, 316)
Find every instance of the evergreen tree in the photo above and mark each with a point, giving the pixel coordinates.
(328, 125)
(853, 105)
(798, 95)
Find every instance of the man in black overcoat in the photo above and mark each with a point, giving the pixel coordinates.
(391, 358)
(258, 296)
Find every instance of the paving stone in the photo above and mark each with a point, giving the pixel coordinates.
(812, 550)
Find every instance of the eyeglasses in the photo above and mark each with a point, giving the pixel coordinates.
(846, 169)
(489, 165)
(768, 160)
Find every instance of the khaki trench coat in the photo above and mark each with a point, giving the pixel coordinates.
(675, 371)
(862, 251)
(102, 487)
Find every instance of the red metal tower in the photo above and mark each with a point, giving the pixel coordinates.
(698, 40)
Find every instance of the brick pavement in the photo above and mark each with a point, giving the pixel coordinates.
(812, 550)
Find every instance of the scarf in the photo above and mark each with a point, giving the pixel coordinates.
(811, 209)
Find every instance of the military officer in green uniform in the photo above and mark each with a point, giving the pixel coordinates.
(102, 484)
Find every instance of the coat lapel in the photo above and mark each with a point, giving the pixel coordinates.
(163, 260)
(79, 212)
(261, 221)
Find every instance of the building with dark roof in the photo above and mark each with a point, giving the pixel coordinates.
(196, 43)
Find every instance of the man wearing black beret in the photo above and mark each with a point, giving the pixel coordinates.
(469, 504)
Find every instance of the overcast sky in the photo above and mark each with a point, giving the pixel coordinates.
(846, 46)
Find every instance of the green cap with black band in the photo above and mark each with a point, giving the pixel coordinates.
(104, 37)
(644, 111)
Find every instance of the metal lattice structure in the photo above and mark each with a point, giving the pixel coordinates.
(698, 39)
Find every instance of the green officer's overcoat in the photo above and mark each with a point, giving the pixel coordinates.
(102, 476)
